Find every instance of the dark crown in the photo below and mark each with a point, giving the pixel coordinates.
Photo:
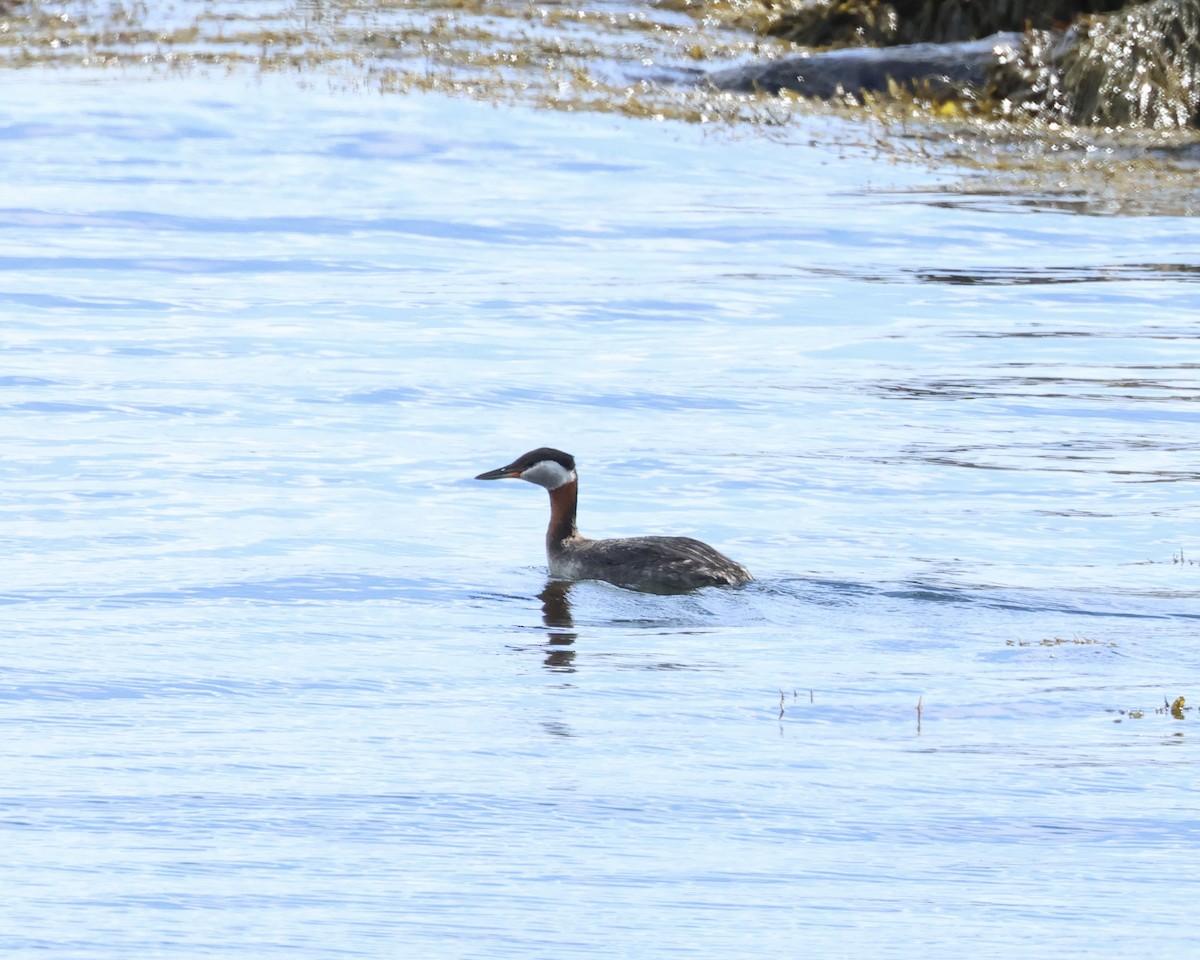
(527, 460)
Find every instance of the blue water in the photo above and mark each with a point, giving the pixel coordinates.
(280, 679)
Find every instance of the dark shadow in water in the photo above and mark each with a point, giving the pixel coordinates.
(1020, 276)
(560, 634)
(819, 591)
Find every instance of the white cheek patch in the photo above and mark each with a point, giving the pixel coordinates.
(548, 474)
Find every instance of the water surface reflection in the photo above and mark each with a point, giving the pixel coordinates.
(560, 634)
(253, 622)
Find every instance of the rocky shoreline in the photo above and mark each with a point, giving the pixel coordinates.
(1094, 63)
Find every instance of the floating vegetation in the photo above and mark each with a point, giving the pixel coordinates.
(1092, 171)
(1177, 709)
(1178, 559)
(635, 60)
(1074, 640)
(795, 698)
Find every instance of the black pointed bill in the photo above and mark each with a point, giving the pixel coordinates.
(500, 473)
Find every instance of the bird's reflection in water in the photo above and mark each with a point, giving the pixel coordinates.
(556, 615)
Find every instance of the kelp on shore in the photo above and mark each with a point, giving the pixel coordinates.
(1082, 116)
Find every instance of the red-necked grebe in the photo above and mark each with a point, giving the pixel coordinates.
(658, 564)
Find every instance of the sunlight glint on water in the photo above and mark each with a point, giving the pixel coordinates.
(280, 679)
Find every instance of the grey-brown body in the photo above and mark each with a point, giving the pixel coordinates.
(658, 564)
